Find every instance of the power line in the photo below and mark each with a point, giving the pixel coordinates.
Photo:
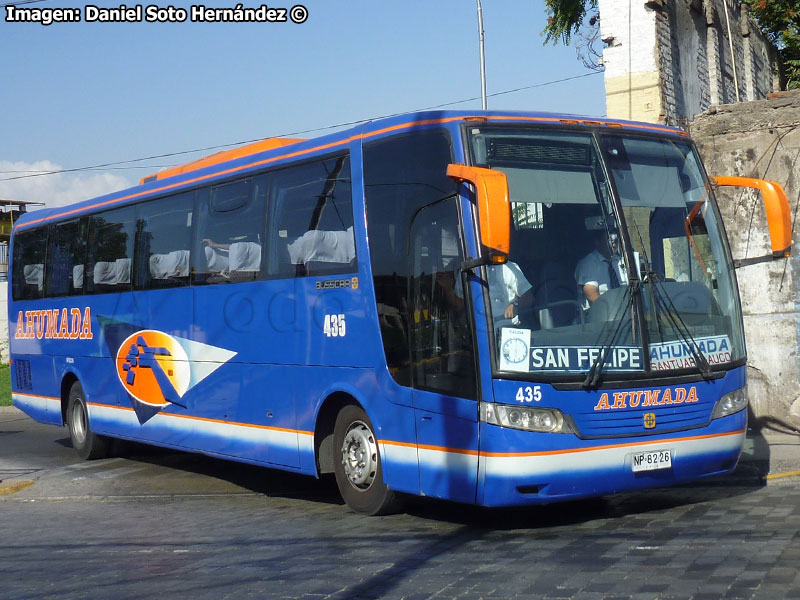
(21, 2)
(44, 171)
(316, 129)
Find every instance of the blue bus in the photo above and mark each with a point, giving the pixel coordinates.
(493, 308)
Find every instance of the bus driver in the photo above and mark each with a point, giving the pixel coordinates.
(600, 270)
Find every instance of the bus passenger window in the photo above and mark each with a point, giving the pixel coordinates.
(312, 227)
(28, 264)
(229, 232)
(111, 242)
(164, 241)
(66, 258)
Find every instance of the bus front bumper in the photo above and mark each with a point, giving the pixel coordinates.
(571, 468)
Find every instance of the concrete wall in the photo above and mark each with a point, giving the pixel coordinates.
(761, 139)
(668, 60)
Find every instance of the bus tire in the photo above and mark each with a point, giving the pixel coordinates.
(357, 464)
(87, 444)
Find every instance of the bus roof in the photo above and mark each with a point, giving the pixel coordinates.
(270, 151)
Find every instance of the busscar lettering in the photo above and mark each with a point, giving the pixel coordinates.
(333, 284)
(43, 16)
(54, 324)
(647, 398)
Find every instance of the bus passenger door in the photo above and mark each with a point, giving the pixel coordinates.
(443, 369)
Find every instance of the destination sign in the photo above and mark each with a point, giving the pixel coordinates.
(677, 355)
(518, 355)
(581, 358)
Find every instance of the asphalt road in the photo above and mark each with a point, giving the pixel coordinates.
(151, 523)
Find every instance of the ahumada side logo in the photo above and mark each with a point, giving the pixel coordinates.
(157, 369)
(153, 368)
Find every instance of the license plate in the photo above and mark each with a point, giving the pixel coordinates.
(652, 461)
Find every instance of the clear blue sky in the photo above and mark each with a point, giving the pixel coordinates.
(88, 93)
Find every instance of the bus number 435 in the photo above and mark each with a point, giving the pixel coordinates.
(334, 326)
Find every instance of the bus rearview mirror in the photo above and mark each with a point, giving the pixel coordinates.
(776, 205)
(494, 207)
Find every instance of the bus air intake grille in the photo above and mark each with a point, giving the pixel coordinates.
(632, 422)
(23, 374)
(532, 151)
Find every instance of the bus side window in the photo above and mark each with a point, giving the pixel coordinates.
(111, 244)
(66, 258)
(229, 232)
(164, 242)
(442, 358)
(312, 227)
(28, 262)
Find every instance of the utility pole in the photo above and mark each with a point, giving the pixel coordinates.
(483, 56)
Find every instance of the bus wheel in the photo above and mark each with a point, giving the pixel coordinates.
(87, 444)
(357, 464)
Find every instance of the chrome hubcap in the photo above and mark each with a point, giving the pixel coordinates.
(360, 456)
(78, 422)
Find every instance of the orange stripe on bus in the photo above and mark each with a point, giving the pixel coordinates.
(36, 396)
(427, 447)
(322, 147)
(207, 420)
(444, 448)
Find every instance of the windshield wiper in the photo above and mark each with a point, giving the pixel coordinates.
(596, 370)
(664, 300)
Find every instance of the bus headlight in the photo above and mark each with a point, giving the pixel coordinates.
(546, 420)
(731, 403)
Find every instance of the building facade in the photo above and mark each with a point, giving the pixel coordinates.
(669, 60)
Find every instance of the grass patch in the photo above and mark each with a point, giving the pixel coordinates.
(5, 385)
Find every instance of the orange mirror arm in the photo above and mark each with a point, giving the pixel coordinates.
(688, 227)
(776, 205)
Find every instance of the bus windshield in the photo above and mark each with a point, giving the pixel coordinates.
(618, 262)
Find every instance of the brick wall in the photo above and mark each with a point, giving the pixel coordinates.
(668, 60)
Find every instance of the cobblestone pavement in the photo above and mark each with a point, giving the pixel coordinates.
(264, 534)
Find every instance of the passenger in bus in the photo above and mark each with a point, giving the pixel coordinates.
(600, 270)
(508, 290)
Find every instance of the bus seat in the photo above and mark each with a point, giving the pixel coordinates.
(323, 246)
(554, 296)
(112, 272)
(216, 259)
(77, 277)
(172, 264)
(34, 275)
(244, 256)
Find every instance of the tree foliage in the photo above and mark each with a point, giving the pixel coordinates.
(780, 20)
(565, 18)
